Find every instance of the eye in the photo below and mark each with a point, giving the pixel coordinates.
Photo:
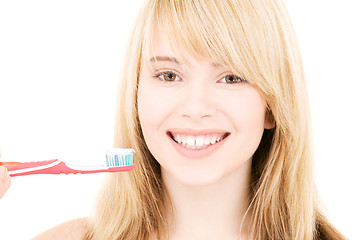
(232, 79)
(168, 76)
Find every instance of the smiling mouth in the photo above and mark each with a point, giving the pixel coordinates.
(197, 141)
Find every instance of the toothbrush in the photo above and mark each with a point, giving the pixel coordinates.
(117, 160)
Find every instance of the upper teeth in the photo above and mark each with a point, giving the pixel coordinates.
(196, 142)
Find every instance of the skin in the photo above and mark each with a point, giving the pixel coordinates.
(71, 230)
(5, 180)
(208, 188)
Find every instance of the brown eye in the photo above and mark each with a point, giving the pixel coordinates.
(232, 79)
(168, 76)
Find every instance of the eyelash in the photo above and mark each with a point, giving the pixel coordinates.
(161, 76)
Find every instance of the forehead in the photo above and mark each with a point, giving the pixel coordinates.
(162, 48)
(161, 44)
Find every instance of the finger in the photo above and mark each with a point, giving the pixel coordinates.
(5, 181)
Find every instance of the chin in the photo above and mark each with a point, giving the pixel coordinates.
(194, 177)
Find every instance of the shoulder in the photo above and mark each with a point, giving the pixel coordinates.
(75, 229)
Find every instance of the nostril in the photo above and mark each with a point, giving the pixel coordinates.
(197, 111)
(197, 103)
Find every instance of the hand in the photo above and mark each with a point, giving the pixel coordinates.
(5, 180)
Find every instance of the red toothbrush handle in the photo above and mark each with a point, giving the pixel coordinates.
(54, 167)
(27, 168)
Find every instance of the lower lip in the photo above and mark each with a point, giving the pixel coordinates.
(197, 153)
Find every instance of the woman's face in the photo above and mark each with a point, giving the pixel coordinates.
(200, 122)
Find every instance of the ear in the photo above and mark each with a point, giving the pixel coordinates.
(269, 122)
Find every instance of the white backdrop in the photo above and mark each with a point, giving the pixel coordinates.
(59, 67)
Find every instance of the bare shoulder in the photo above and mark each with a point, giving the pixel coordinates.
(75, 229)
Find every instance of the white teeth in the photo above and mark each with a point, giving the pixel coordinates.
(196, 142)
(177, 138)
(200, 141)
(213, 140)
(182, 139)
(190, 141)
(207, 141)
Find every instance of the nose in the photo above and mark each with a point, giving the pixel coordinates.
(197, 102)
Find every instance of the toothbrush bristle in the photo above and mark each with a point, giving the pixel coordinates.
(119, 158)
(117, 161)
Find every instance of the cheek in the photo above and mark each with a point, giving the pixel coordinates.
(147, 113)
(149, 108)
(145, 105)
(246, 110)
(154, 107)
(247, 114)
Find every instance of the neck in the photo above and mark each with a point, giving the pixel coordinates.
(213, 211)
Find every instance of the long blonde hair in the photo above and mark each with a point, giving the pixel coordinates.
(256, 40)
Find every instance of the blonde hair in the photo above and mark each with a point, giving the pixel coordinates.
(255, 39)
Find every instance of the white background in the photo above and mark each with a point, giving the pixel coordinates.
(59, 67)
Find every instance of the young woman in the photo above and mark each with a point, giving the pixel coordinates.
(214, 102)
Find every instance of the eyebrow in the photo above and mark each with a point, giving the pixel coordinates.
(165, 59)
(175, 60)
